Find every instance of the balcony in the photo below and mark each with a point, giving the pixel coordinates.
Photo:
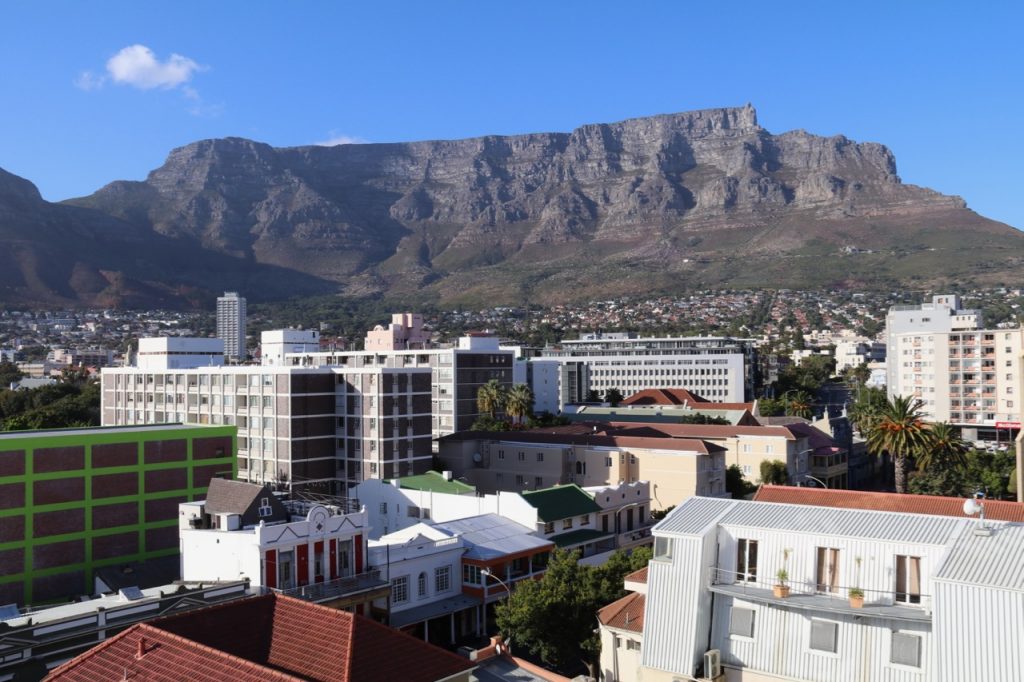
(339, 588)
(805, 597)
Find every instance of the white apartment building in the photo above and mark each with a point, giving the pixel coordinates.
(231, 317)
(179, 352)
(969, 377)
(327, 427)
(719, 368)
(942, 314)
(943, 598)
(276, 344)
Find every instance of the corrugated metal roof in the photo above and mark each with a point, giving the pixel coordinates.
(694, 515)
(894, 527)
(996, 560)
(490, 536)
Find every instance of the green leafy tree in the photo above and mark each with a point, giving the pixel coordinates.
(735, 484)
(945, 449)
(519, 403)
(613, 396)
(799, 404)
(771, 407)
(773, 472)
(702, 419)
(554, 617)
(900, 430)
(659, 514)
(537, 421)
(9, 373)
(866, 407)
(487, 423)
(490, 397)
(593, 396)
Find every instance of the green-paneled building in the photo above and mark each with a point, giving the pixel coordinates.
(74, 500)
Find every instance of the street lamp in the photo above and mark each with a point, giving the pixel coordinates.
(823, 484)
(488, 574)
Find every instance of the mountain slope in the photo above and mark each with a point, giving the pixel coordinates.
(704, 198)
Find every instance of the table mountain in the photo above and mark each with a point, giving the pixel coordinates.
(703, 198)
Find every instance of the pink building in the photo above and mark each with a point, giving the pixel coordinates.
(404, 333)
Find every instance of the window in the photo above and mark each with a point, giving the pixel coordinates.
(608, 462)
(421, 585)
(501, 454)
(741, 622)
(383, 507)
(442, 579)
(663, 549)
(470, 574)
(522, 456)
(828, 569)
(824, 635)
(538, 482)
(632, 645)
(520, 481)
(318, 564)
(746, 560)
(400, 590)
(566, 524)
(549, 527)
(585, 520)
(908, 579)
(745, 447)
(412, 512)
(905, 649)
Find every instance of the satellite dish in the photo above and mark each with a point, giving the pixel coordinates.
(972, 506)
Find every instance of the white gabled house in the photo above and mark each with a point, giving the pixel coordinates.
(943, 598)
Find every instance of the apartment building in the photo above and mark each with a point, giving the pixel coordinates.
(942, 314)
(276, 344)
(231, 319)
(73, 501)
(324, 427)
(758, 591)
(590, 454)
(719, 368)
(972, 378)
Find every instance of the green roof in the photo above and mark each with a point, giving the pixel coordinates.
(435, 483)
(578, 537)
(561, 502)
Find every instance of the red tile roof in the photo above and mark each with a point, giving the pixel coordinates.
(268, 637)
(680, 396)
(637, 576)
(997, 510)
(637, 435)
(624, 614)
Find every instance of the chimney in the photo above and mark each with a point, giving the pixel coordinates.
(447, 475)
(142, 648)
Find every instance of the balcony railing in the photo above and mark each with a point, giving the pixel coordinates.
(337, 588)
(805, 595)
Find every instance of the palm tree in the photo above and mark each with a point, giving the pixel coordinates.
(900, 429)
(946, 449)
(864, 410)
(799, 404)
(519, 402)
(490, 397)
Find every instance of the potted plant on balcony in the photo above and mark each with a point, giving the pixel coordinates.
(856, 596)
(781, 589)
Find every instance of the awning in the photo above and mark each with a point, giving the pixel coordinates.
(434, 609)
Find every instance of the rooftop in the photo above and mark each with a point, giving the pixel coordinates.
(561, 502)
(681, 396)
(490, 536)
(97, 430)
(263, 638)
(579, 537)
(996, 510)
(435, 482)
(637, 576)
(625, 614)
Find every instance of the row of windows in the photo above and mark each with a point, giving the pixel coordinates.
(904, 649)
(400, 586)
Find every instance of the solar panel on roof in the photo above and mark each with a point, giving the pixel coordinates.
(130, 593)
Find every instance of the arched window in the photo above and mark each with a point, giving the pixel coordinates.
(421, 584)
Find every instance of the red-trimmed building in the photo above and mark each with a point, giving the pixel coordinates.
(269, 637)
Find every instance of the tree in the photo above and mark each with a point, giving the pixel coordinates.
(519, 403)
(865, 408)
(487, 423)
(701, 418)
(9, 373)
(899, 429)
(771, 407)
(945, 449)
(773, 472)
(554, 617)
(613, 397)
(593, 396)
(659, 514)
(735, 484)
(536, 421)
(799, 404)
(490, 397)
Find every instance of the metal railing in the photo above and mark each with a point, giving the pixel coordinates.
(840, 593)
(337, 588)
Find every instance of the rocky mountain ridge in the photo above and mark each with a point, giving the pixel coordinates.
(659, 203)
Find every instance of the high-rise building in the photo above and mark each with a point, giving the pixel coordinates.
(943, 314)
(231, 325)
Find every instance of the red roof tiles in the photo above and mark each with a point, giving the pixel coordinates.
(637, 576)
(892, 502)
(680, 396)
(624, 614)
(264, 638)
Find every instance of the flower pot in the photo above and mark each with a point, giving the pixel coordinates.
(780, 591)
(856, 601)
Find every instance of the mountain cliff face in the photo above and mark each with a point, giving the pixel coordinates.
(700, 198)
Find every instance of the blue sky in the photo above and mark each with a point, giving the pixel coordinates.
(91, 93)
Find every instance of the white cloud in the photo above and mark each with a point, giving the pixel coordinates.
(335, 139)
(87, 80)
(138, 66)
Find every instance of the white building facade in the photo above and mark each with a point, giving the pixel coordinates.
(231, 318)
(942, 314)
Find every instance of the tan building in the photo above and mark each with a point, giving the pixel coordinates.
(588, 455)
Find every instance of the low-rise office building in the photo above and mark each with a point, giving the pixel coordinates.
(75, 500)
